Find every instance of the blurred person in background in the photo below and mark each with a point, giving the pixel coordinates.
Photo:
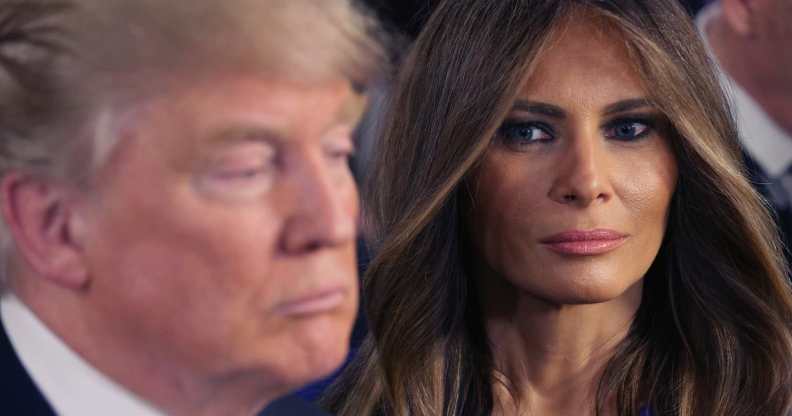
(178, 212)
(562, 226)
(751, 42)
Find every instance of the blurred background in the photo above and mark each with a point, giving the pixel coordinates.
(407, 16)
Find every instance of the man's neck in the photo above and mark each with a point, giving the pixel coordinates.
(769, 85)
(150, 375)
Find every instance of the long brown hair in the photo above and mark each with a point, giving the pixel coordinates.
(712, 335)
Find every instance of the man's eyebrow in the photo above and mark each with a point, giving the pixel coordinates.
(628, 105)
(352, 110)
(349, 114)
(242, 133)
(544, 109)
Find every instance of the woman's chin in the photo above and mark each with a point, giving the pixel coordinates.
(583, 290)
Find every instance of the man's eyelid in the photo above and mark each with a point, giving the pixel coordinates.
(340, 128)
(346, 149)
(339, 138)
(264, 152)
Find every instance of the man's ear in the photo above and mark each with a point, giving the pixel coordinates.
(41, 220)
(739, 15)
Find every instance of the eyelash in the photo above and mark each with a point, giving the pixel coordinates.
(341, 156)
(506, 133)
(509, 132)
(242, 174)
(649, 126)
(344, 154)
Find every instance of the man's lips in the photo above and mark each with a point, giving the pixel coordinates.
(585, 242)
(315, 302)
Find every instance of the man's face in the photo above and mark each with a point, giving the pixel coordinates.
(220, 236)
(773, 32)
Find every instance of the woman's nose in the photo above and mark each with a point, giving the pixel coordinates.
(581, 177)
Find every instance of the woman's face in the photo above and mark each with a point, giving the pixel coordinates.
(572, 198)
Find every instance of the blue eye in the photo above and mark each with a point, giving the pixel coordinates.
(519, 134)
(627, 130)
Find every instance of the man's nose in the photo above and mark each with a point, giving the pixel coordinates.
(582, 176)
(324, 208)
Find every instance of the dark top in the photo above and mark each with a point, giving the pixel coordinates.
(773, 192)
(18, 394)
(292, 405)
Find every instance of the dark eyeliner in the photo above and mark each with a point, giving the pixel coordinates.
(510, 124)
(650, 121)
(512, 134)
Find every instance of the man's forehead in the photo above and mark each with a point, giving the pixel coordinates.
(283, 112)
(252, 100)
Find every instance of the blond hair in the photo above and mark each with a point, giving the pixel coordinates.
(70, 68)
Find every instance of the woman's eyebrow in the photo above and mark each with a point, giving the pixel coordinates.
(627, 105)
(554, 111)
(540, 108)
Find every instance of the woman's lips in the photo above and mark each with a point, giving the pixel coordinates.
(585, 243)
(318, 302)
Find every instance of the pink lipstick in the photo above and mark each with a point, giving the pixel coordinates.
(585, 243)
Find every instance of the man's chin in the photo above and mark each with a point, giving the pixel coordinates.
(316, 348)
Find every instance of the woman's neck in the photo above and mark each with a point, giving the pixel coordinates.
(552, 356)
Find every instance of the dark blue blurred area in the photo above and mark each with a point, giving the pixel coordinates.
(292, 406)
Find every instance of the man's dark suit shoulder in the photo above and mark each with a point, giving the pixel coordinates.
(292, 406)
(18, 394)
(783, 215)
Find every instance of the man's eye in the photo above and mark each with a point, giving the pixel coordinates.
(516, 135)
(239, 174)
(627, 130)
(340, 155)
(236, 182)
